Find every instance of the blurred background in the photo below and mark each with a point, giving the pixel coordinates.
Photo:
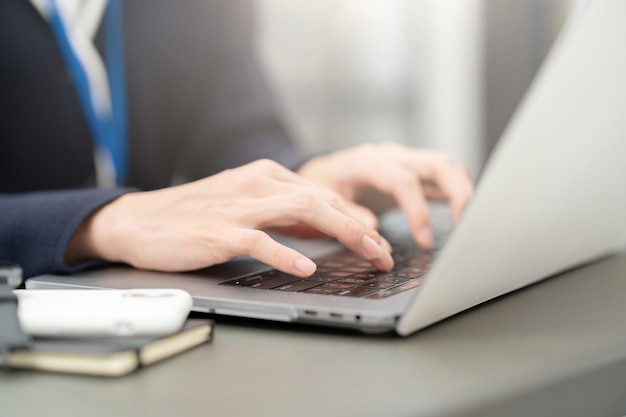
(442, 74)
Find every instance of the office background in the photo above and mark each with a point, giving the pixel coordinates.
(443, 74)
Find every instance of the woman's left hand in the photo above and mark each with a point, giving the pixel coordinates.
(381, 176)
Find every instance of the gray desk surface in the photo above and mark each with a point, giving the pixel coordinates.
(557, 348)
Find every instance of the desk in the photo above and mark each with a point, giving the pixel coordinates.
(555, 349)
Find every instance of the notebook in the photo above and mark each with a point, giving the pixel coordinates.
(112, 356)
(550, 198)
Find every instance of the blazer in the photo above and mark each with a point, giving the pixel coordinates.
(197, 104)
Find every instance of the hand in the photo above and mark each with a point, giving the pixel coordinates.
(382, 175)
(215, 219)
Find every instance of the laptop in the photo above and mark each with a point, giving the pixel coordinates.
(552, 197)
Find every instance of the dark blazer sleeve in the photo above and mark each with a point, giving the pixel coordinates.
(36, 228)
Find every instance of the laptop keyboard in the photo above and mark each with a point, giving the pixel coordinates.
(344, 274)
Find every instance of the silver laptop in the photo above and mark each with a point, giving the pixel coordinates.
(552, 197)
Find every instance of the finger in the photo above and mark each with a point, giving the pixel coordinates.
(260, 246)
(362, 214)
(404, 186)
(456, 185)
(369, 220)
(386, 172)
(356, 211)
(407, 190)
(315, 210)
(442, 173)
(290, 203)
(333, 217)
(304, 231)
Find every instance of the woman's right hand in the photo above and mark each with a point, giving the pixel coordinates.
(213, 220)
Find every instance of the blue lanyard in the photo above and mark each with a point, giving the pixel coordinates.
(109, 132)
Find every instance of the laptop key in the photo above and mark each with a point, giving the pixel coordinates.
(406, 275)
(322, 290)
(268, 284)
(339, 284)
(298, 286)
(377, 284)
(357, 292)
(370, 274)
(245, 281)
(340, 273)
(395, 290)
(393, 280)
(354, 280)
(321, 278)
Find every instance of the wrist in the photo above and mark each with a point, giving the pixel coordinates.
(81, 247)
(93, 238)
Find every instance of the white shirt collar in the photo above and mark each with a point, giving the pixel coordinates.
(82, 15)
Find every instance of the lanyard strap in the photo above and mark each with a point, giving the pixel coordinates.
(109, 127)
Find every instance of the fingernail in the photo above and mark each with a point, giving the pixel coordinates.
(305, 266)
(384, 262)
(372, 248)
(425, 237)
